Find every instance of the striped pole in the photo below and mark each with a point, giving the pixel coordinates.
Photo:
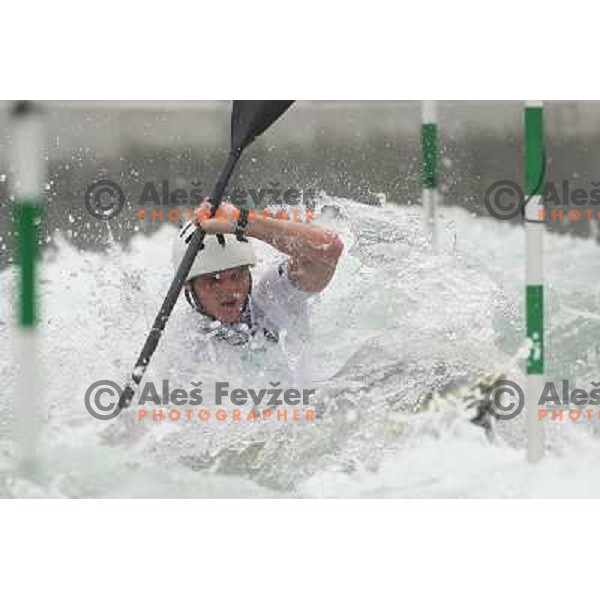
(29, 173)
(429, 166)
(534, 230)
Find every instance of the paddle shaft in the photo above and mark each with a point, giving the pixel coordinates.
(166, 309)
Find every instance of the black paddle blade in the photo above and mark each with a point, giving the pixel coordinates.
(249, 118)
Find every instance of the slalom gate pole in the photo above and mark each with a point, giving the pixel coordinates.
(29, 169)
(429, 166)
(534, 293)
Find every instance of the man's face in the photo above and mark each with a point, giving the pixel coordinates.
(223, 294)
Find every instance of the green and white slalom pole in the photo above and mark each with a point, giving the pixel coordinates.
(29, 169)
(429, 166)
(534, 230)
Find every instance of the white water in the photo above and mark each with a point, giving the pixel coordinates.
(395, 314)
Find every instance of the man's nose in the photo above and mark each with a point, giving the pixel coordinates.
(228, 284)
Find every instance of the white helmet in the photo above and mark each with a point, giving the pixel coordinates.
(213, 257)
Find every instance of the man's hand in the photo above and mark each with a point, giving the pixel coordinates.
(223, 221)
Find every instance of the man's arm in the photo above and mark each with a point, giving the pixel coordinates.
(313, 251)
